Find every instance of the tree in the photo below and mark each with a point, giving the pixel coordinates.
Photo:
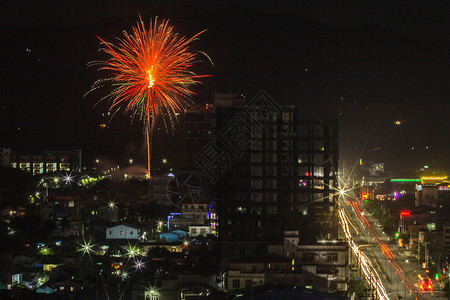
(356, 286)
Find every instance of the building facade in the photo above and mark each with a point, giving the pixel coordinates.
(123, 231)
(284, 181)
(199, 130)
(48, 161)
(160, 188)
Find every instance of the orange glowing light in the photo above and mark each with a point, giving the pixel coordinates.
(151, 75)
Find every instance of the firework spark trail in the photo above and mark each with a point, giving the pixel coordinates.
(151, 75)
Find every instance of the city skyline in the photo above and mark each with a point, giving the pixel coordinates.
(369, 74)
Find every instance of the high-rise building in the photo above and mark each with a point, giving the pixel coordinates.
(199, 130)
(283, 177)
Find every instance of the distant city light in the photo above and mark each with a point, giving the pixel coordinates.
(398, 122)
(164, 160)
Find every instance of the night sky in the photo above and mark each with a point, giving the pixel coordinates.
(367, 64)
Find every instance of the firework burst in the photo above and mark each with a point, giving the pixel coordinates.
(151, 75)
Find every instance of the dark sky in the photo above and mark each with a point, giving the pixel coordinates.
(366, 63)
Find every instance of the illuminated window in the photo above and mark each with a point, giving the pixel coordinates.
(318, 184)
(151, 295)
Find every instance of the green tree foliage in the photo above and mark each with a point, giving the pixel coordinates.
(356, 286)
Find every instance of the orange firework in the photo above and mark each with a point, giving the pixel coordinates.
(151, 76)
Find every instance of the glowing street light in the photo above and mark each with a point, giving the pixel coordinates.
(86, 248)
(45, 251)
(164, 160)
(130, 161)
(68, 178)
(132, 251)
(139, 264)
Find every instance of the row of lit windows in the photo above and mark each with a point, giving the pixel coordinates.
(38, 168)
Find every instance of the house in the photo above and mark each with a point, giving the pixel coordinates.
(252, 271)
(322, 265)
(49, 262)
(196, 230)
(123, 232)
(135, 172)
(26, 279)
(176, 247)
(194, 212)
(68, 286)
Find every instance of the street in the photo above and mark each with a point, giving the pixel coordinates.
(397, 273)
